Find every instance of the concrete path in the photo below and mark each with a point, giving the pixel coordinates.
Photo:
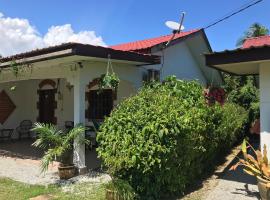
(234, 186)
(225, 184)
(26, 170)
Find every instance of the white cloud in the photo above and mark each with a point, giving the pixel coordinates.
(65, 33)
(18, 35)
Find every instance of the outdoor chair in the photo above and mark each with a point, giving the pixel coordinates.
(24, 129)
(91, 133)
(6, 134)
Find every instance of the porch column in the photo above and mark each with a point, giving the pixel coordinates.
(79, 118)
(265, 106)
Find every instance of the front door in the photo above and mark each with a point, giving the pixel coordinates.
(47, 106)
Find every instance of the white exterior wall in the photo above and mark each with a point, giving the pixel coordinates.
(185, 60)
(25, 97)
(179, 61)
(264, 70)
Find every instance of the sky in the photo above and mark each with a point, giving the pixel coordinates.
(31, 24)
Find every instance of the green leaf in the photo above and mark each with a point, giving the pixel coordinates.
(244, 146)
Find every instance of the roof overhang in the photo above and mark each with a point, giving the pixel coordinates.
(77, 49)
(239, 61)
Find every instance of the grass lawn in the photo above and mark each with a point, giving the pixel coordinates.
(11, 190)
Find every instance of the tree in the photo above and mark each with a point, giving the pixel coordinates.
(255, 30)
(243, 90)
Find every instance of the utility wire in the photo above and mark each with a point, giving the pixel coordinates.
(233, 13)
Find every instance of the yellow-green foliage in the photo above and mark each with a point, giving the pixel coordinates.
(162, 139)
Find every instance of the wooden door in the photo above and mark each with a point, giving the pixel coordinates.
(46, 106)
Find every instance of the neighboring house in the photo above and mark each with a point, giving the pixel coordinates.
(253, 58)
(183, 57)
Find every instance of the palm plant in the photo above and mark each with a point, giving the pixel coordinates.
(255, 30)
(58, 145)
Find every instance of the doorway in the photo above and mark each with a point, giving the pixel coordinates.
(47, 106)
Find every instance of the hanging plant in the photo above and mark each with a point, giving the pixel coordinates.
(110, 79)
(14, 67)
(13, 88)
(21, 67)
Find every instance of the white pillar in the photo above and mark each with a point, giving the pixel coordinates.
(79, 118)
(265, 106)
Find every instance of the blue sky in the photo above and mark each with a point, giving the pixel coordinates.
(118, 21)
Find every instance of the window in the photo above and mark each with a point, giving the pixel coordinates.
(151, 75)
(100, 103)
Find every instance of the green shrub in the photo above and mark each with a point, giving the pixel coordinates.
(242, 90)
(163, 138)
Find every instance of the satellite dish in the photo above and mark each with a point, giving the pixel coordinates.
(174, 25)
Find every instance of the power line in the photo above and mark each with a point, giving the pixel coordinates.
(232, 11)
(241, 9)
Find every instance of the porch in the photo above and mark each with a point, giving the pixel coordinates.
(23, 149)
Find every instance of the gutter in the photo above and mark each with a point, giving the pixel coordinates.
(44, 57)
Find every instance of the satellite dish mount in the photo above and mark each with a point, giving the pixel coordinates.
(175, 26)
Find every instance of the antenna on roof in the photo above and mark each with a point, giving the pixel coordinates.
(176, 27)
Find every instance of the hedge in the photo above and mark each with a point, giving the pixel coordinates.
(162, 139)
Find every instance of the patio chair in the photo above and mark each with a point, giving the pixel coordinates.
(6, 134)
(24, 128)
(91, 133)
(69, 125)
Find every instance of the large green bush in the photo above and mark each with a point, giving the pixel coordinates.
(242, 90)
(163, 138)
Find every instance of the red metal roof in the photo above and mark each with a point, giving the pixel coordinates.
(256, 42)
(148, 43)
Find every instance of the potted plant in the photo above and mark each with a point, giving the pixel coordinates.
(58, 146)
(257, 166)
(109, 80)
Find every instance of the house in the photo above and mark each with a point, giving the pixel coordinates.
(183, 57)
(59, 84)
(253, 58)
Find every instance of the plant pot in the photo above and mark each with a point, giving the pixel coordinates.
(66, 171)
(112, 195)
(264, 191)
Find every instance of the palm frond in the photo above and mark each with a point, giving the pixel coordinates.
(48, 135)
(56, 142)
(49, 157)
(255, 30)
(75, 134)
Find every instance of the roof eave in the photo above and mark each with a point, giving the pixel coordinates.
(238, 56)
(71, 49)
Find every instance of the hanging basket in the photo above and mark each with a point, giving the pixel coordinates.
(110, 79)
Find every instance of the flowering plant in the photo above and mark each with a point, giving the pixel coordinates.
(215, 94)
